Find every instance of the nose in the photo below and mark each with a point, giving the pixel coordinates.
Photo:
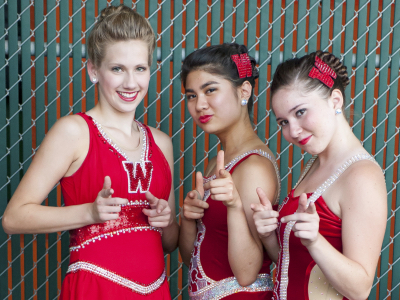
(130, 82)
(294, 130)
(201, 103)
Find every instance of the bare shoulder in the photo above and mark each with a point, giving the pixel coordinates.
(256, 171)
(71, 127)
(363, 184)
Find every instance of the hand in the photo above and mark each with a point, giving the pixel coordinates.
(265, 218)
(159, 213)
(307, 222)
(222, 188)
(193, 205)
(106, 208)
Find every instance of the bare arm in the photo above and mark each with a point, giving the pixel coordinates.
(245, 250)
(63, 146)
(363, 206)
(171, 229)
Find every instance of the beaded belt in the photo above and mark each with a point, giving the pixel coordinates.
(136, 287)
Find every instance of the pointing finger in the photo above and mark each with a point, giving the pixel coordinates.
(263, 198)
(220, 162)
(153, 200)
(199, 184)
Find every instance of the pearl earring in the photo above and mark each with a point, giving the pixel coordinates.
(94, 80)
(338, 111)
(244, 102)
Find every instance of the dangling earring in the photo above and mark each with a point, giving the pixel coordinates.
(244, 102)
(94, 80)
(338, 111)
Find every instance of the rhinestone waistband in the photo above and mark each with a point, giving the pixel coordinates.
(229, 286)
(135, 287)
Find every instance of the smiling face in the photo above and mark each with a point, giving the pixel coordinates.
(212, 101)
(123, 75)
(307, 120)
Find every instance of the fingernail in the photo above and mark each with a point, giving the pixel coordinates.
(283, 220)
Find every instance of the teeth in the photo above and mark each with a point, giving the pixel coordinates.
(127, 95)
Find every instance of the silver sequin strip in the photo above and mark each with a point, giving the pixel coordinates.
(136, 287)
(320, 190)
(116, 232)
(229, 286)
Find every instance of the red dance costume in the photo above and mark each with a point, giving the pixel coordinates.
(298, 276)
(210, 275)
(123, 258)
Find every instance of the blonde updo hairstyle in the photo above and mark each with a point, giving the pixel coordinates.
(119, 23)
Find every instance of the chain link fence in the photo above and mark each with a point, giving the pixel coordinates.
(43, 77)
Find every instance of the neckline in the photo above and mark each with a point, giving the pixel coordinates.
(144, 151)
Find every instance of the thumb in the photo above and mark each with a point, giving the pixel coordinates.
(199, 184)
(302, 203)
(220, 163)
(153, 200)
(263, 198)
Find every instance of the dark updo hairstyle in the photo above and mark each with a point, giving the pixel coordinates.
(294, 72)
(119, 23)
(217, 60)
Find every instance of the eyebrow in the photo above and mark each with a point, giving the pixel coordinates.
(202, 86)
(292, 109)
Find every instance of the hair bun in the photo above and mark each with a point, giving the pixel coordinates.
(112, 10)
(336, 65)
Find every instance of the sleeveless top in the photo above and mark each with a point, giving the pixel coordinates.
(298, 276)
(127, 251)
(210, 275)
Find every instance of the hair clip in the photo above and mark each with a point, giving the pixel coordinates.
(322, 72)
(243, 65)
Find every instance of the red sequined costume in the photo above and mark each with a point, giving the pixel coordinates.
(298, 276)
(210, 275)
(123, 258)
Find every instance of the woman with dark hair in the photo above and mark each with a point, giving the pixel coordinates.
(114, 172)
(332, 223)
(218, 239)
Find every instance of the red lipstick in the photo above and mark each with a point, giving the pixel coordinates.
(305, 141)
(205, 119)
(128, 99)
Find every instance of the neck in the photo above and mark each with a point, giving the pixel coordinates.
(343, 145)
(235, 138)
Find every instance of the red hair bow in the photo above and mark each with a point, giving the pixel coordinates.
(322, 72)
(243, 65)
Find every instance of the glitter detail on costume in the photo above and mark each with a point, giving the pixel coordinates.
(134, 286)
(284, 267)
(131, 219)
(138, 173)
(243, 65)
(322, 72)
(207, 288)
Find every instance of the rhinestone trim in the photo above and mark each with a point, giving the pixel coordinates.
(135, 287)
(284, 268)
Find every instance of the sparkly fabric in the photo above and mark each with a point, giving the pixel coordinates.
(322, 72)
(210, 275)
(294, 258)
(128, 246)
(134, 286)
(243, 65)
